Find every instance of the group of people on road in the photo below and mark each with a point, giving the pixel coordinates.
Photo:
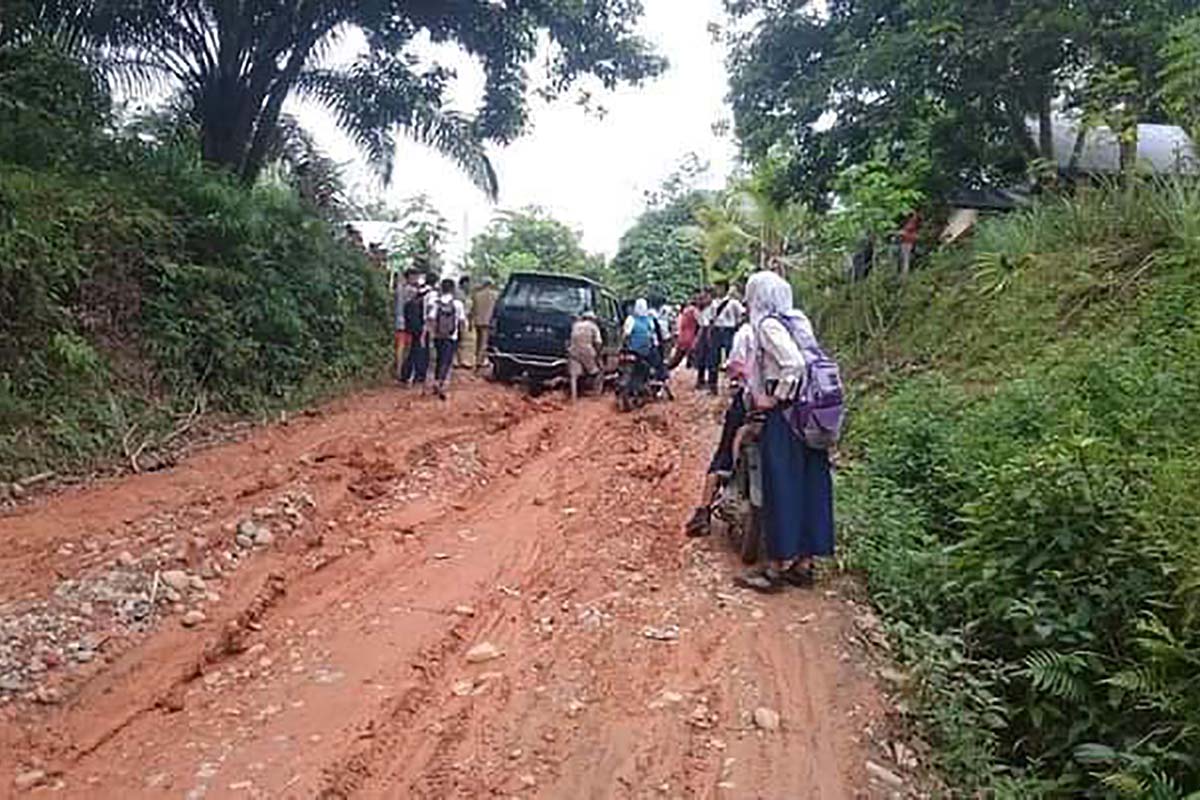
(761, 340)
(646, 333)
(705, 332)
(701, 335)
(440, 321)
(764, 343)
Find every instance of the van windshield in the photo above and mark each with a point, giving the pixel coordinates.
(547, 295)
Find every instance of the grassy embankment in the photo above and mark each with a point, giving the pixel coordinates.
(1023, 492)
(136, 293)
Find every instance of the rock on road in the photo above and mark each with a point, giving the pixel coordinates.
(396, 597)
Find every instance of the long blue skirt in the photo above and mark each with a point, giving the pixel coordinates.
(797, 494)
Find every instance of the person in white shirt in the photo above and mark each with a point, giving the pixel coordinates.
(727, 313)
(445, 317)
(797, 515)
(706, 370)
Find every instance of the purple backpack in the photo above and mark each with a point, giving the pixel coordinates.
(817, 413)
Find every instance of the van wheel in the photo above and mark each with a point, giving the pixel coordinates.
(503, 372)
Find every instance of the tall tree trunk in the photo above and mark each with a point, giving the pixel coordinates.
(1046, 129)
(1129, 148)
(235, 90)
(223, 122)
(1019, 130)
(1077, 150)
(267, 125)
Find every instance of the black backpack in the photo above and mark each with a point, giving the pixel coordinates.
(445, 320)
(414, 314)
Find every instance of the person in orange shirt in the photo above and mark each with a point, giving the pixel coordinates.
(685, 340)
(408, 288)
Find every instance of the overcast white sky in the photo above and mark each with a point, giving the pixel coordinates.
(587, 171)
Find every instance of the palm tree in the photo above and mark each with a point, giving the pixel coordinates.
(744, 227)
(721, 232)
(238, 61)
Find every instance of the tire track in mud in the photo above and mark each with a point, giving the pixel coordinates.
(593, 735)
(152, 669)
(630, 668)
(525, 500)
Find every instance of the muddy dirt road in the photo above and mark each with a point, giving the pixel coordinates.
(404, 599)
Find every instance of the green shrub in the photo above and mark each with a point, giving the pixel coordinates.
(1026, 514)
(126, 293)
(51, 106)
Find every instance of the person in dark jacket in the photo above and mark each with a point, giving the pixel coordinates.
(411, 316)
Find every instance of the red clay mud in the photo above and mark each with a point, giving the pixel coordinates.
(401, 598)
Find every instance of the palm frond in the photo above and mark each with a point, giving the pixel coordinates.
(316, 177)
(378, 95)
(453, 135)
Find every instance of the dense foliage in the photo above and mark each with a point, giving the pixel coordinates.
(127, 297)
(661, 253)
(237, 63)
(530, 240)
(1022, 492)
(139, 286)
(1180, 74)
(954, 82)
(687, 238)
(419, 237)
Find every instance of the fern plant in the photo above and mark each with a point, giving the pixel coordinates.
(994, 272)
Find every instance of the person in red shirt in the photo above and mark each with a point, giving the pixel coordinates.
(685, 341)
(909, 233)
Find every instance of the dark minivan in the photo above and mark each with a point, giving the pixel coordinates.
(532, 324)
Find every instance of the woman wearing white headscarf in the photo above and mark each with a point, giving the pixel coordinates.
(642, 335)
(797, 515)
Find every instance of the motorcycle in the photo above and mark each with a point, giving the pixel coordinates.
(738, 509)
(638, 382)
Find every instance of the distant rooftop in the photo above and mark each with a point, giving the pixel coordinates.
(1164, 149)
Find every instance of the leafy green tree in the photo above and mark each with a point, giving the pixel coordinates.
(528, 240)
(962, 78)
(827, 87)
(660, 253)
(421, 235)
(721, 232)
(1126, 57)
(237, 64)
(754, 222)
(52, 107)
(876, 196)
(1180, 74)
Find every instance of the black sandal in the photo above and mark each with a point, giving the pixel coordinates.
(802, 577)
(700, 524)
(762, 580)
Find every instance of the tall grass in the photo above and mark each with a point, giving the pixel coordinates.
(1023, 496)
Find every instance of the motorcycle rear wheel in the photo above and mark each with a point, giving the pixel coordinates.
(750, 546)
